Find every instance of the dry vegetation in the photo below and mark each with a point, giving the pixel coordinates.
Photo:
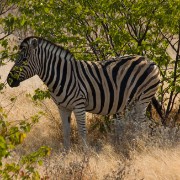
(142, 150)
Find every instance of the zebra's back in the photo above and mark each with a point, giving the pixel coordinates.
(110, 85)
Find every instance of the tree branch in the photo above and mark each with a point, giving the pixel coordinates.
(8, 9)
(169, 41)
(173, 101)
(129, 29)
(5, 36)
(168, 110)
(90, 40)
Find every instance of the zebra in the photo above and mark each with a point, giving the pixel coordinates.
(99, 87)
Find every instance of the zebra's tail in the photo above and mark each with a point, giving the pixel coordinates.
(158, 108)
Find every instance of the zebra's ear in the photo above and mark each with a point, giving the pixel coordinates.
(34, 43)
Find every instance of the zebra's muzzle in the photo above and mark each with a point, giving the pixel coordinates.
(13, 82)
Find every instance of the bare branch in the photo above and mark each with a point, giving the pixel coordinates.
(8, 9)
(90, 40)
(146, 30)
(169, 41)
(5, 36)
(173, 101)
(129, 29)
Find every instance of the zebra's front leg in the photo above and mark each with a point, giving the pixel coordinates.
(80, 115)
(65, 117)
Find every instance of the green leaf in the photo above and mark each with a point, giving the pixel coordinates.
(13, 99)
(41, 95)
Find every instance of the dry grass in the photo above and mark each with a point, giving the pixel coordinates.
(159, 163)
(143, 150)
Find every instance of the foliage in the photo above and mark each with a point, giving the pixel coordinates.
(11, 135)
(40, 94)
(10, 21)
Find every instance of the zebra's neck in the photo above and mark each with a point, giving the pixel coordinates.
(55, 66)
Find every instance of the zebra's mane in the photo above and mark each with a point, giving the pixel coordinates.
(40, 39)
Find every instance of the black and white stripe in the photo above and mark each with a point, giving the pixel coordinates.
(103, 87)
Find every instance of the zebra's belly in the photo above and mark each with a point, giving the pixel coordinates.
(108, 108)
(103, 113)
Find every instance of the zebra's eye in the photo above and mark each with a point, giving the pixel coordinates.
(23, 49)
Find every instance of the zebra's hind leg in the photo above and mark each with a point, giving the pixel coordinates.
(80, 115)
(140, 111)
(65, 117)
(118, 127)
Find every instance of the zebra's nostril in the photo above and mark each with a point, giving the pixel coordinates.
(9, 80)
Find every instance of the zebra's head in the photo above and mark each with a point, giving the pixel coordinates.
(25, 64)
